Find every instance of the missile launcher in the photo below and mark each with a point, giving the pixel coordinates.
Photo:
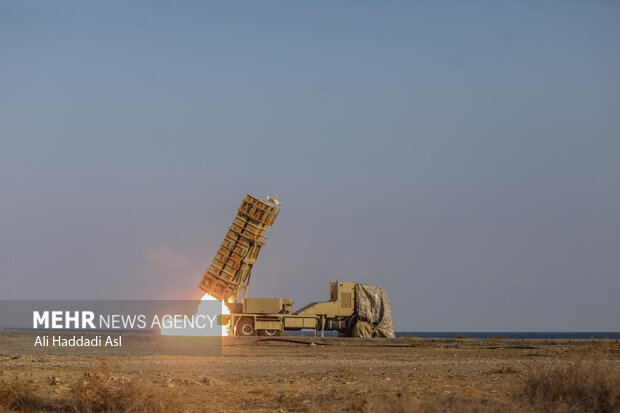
(352, 309)
(230, 270)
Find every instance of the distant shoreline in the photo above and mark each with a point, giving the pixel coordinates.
(569, 335)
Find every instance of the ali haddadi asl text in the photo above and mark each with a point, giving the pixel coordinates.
(78, 341)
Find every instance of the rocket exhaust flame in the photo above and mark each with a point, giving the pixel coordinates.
(171, 331)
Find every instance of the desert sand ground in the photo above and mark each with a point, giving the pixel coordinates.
(406, 374)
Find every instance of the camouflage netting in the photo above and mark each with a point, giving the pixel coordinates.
(374, 312)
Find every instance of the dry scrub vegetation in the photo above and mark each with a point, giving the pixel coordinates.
(95, 392)
(576, 387)
(428, 377)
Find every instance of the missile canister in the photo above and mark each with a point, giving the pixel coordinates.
(230, 270)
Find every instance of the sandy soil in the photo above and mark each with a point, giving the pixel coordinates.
(332, 375)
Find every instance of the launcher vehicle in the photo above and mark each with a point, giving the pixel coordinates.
(352, 309)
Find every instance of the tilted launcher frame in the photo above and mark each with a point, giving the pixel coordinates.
(346, 310)
(230, 270)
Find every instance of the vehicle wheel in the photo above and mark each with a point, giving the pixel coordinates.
(245, 327)
(269, 333)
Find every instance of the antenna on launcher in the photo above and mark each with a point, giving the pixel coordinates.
(273, 201)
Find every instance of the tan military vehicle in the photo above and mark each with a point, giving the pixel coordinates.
(352, 309)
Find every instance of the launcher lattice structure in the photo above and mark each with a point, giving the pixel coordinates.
(230, 270)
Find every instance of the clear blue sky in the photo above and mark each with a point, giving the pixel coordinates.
(463, 155)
